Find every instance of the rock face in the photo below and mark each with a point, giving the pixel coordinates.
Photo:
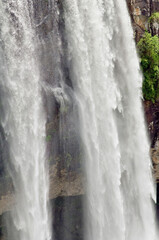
(68, 218)
(67, 184)
(140, 11)
(152, 119)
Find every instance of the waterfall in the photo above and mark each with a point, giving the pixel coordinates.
(73, 65)
(104, 70)
(23, 121)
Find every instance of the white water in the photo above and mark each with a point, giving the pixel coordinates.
(23, 121)
(104, 69)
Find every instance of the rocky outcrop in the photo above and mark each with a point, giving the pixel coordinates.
(154, 5)
(152, 119)
(140, 11)
(66, 184)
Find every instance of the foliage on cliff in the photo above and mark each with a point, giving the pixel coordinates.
(154, 18)
(148, 47)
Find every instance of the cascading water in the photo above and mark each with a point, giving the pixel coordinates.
(86, 56)
(23, 121)
(104, 70)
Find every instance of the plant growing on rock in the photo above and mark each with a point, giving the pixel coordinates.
(148, 47)
(154, 18)
(48, 138)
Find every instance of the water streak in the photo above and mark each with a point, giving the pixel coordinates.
(104, 69)
(23, 121)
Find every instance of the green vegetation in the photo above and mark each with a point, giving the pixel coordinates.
(48, 138)
(148, 47)
(154, 18)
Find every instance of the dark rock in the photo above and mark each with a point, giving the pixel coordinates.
(68, 218)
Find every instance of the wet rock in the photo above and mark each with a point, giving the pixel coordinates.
(68, 218)
(152, 120)
(140, 11)
(64, 184)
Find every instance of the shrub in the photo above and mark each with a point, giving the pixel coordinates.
(148, 47)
